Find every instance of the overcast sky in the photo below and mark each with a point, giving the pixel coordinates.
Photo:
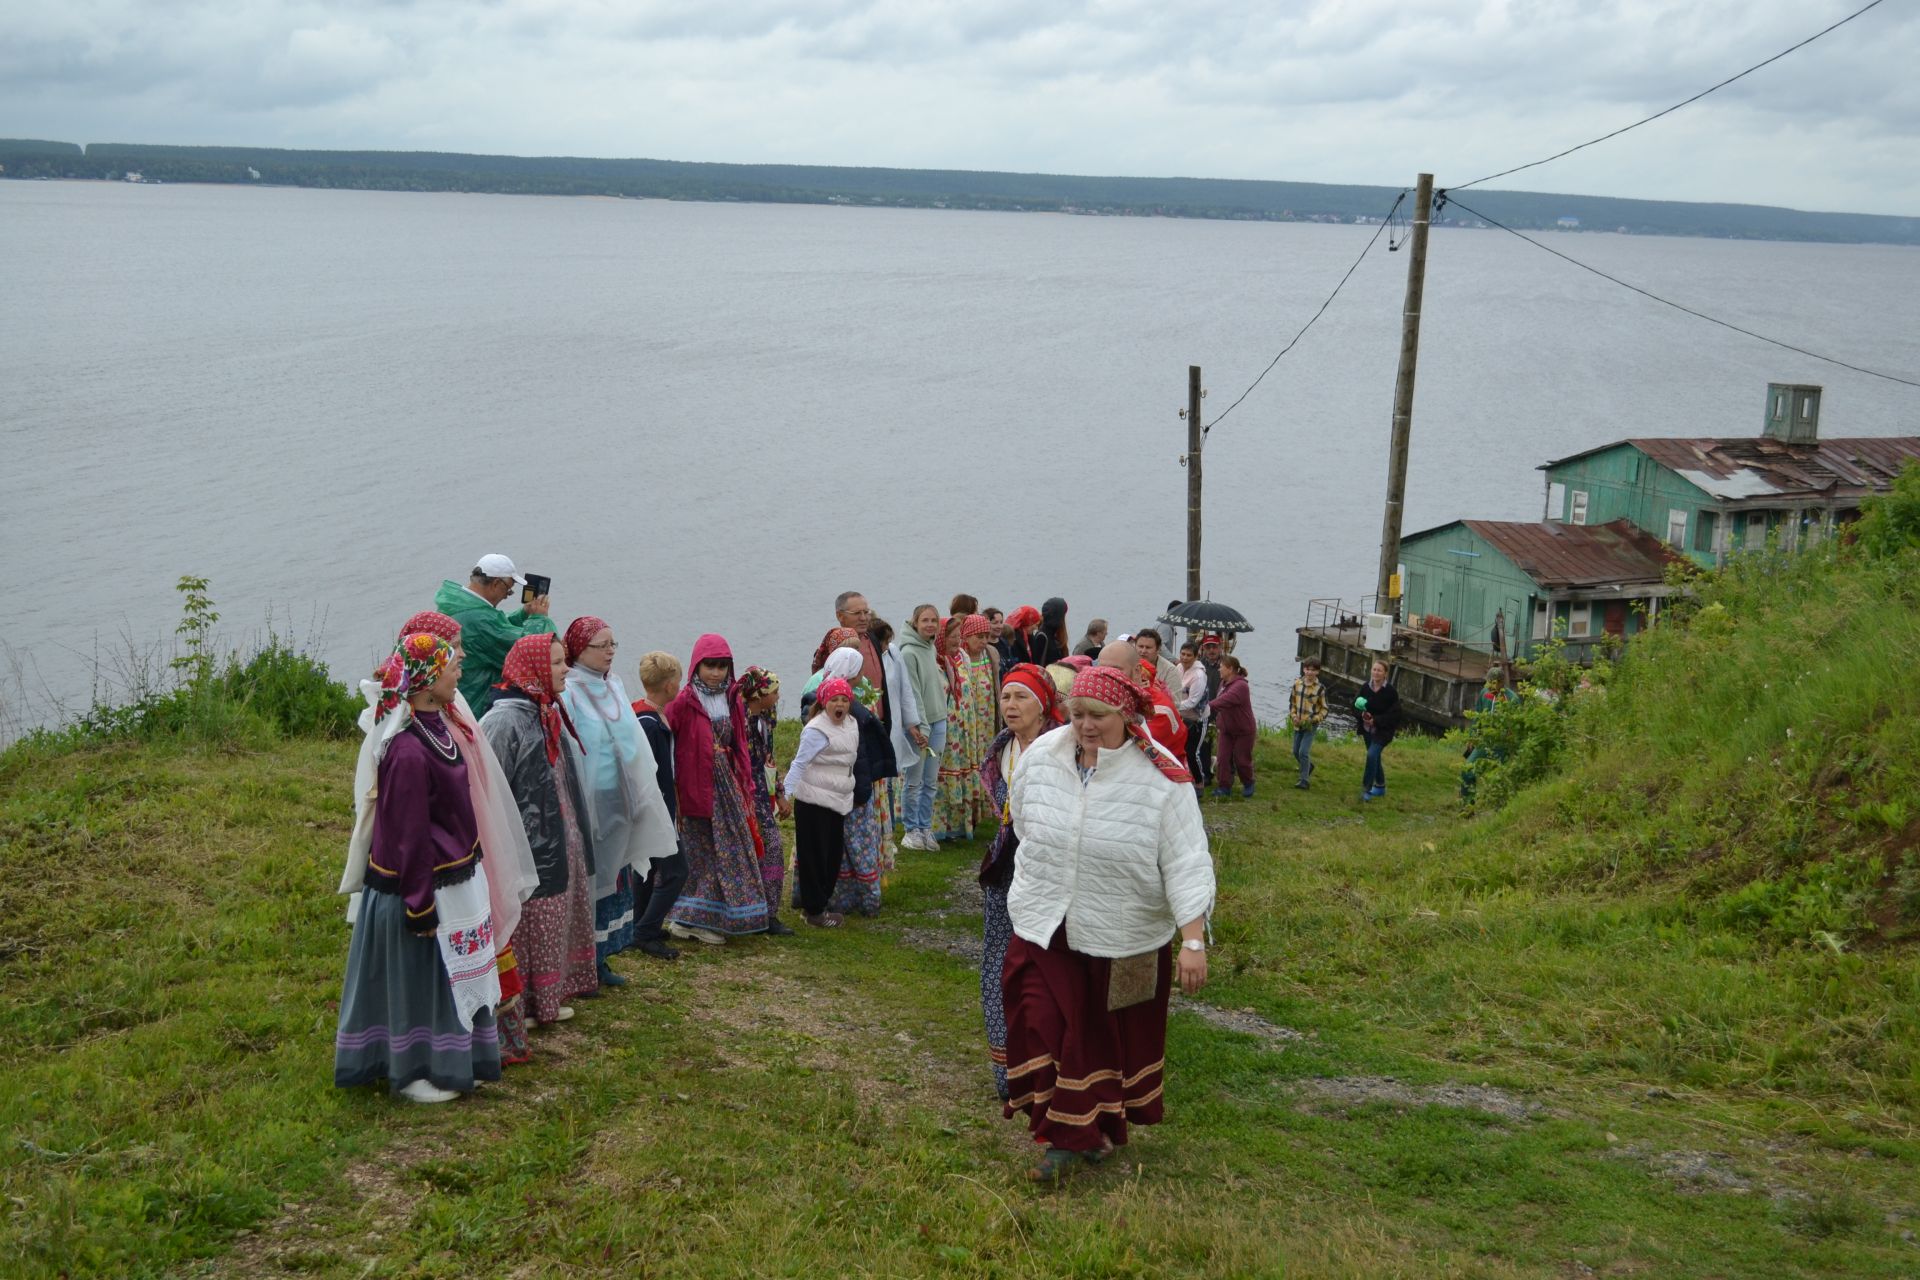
(1315, 90)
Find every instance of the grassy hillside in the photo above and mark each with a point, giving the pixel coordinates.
(1658, 1014)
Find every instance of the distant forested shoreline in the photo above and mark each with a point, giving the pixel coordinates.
(1219, 198)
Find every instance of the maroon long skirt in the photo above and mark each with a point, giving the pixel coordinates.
(1080, 1073)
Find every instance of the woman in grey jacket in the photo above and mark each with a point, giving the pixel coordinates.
(554, 943)
(920, 772)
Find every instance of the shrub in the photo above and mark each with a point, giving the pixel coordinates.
(291, 690)
(236, 701)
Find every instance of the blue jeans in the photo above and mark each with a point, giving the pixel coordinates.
(922, 779)
(1374, 775)
(1303, 751)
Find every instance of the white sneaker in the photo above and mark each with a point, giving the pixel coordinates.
(562, 1014)
(708, 936)
(921, 840)
(425, 1091)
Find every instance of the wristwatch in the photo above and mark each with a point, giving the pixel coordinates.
(1192, 944)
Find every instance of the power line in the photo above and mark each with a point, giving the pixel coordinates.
(1724, 324)
(1384, 224)
(1670, 110)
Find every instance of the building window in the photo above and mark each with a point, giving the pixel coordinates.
(1704, 529)
(1677, 529)
(1579, 621)
(1556, 500)
(1577, 507)
(1756, 530)
(1542, 620)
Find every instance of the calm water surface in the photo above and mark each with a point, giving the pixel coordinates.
(705, 417)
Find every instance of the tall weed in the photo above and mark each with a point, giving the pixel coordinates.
(238, 700)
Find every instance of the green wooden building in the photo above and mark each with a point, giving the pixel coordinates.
(1711, 497)
(1505, 587)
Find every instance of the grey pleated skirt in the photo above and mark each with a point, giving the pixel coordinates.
(397, 1020)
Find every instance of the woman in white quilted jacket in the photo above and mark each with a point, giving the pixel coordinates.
(1113, 865)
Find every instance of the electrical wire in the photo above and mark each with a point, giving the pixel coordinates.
(1701, 315)
(1670, 110)
(1385, 223)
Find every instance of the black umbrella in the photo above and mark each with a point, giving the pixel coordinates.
(1205, 615)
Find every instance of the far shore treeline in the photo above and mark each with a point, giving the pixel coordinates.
(917, 188)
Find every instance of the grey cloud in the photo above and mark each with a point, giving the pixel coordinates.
(1332, 90)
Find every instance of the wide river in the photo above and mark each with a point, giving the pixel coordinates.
(713, 417)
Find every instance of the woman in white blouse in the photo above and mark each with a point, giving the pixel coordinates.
(1113, 864)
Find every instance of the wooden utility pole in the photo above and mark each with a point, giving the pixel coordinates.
(1403, 397)
(1193, 481)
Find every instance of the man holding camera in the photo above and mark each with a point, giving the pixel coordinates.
(485, 632)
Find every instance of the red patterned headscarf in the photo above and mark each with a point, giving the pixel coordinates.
(528, 669)
(434, 624)
(1024, 617)
(831, 689)
(580, 634)
(1111, 687)
(838, 638)
(975, 625)
(1041, 686)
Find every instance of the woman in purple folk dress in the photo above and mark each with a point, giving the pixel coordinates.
(417, 1002)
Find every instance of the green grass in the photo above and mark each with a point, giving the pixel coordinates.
(1713, 1101)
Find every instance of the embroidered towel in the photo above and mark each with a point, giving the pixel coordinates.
(467, 945)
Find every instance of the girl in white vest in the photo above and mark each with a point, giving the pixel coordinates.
(820, 783)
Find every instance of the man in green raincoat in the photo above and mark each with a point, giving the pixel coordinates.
(485, 632)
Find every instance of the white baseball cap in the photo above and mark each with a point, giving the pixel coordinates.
(499, 566)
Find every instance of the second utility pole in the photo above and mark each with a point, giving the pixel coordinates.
(1403, 399)
(1193, 481)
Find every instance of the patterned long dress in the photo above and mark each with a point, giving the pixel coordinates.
(961, 803)
(858, 888)
(766, 786)
(554, 943)
(725, 891)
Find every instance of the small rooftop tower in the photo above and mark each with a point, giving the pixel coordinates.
(1793, 413)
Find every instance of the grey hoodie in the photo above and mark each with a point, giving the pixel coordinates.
(923, 669)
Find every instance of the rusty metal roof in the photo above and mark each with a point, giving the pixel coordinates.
(1746, 467)
(1573, 555)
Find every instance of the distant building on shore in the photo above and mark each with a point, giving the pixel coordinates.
(1710, 497)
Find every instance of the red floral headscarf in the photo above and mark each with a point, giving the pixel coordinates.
(1024, 617)
(580, 634)
(831, 689)
(529, 670)
(415, 663)
(434, 624)
(1106, 685)
(1041, 686)
(439, 624)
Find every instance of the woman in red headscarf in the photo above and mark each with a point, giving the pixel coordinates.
(1163, 713)
(961, 803)
(1113, 863)
(533, 736)
(1030, 705)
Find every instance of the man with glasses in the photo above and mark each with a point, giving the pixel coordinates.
(852, 613)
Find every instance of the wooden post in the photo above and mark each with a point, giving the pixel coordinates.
(1193, 482)
(1403, 397)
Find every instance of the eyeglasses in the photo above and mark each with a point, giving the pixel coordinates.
(608, 645)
